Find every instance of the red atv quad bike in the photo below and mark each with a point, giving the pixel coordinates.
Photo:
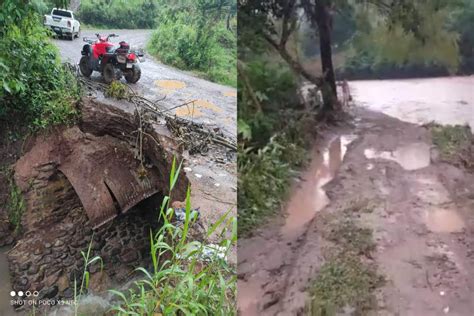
(111, 60)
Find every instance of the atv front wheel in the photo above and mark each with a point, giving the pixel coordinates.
(108, 73)
(133, 75)
(85, 67)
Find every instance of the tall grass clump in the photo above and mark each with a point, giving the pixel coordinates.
(187, 276)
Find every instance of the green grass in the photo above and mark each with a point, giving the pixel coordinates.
(348, 235)
(184, 280)
(16, 204)
(450, 139)
(116, 90)
(345, 280)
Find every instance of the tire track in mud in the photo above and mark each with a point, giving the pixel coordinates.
(421, 219)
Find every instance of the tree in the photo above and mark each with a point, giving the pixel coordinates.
(276, 20)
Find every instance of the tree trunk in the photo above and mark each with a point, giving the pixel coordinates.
(295, 66)
(323, 21)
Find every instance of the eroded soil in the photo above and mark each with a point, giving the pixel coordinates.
(417, 211)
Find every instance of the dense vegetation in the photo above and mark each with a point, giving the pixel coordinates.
(36, 90)
(271, 141)
(121, 14)
(198, 36)
(371, 48)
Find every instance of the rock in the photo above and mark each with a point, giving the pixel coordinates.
(39, 276)
(48, 292)
(25, 266)
(52, 278)
(68, 293)
(97, 245)
(115, 252)
(129, 255)
(63, 283)
(33, 269)
(88, 231)
(58, 243)
(99, 282)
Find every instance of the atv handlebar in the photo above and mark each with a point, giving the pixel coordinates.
(108, 36)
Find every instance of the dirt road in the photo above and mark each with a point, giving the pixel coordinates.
(213, 176)
(377, 225)
(215, 104)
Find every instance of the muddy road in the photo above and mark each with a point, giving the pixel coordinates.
(214, 104)
(213, 176)
(376, 189)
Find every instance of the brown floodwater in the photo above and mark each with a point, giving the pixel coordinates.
(445, 100)
(310, 196)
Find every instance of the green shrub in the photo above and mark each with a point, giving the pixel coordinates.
(191, 40)
(35, 90)
(16, 205)
(264, 175)
(119, 14)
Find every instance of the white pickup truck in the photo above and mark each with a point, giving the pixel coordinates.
(63, 23)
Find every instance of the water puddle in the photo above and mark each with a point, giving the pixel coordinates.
(232, 94)
(442, 220)
(194, 109)
(310, 197)
(207, 105)
(170, 84)
(409, 157)
(189, 110)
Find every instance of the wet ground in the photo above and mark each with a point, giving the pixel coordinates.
(213, 181)
(213, 184)
(420, 208)
(215, 104)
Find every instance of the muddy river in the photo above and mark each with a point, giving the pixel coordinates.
(446, 100)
